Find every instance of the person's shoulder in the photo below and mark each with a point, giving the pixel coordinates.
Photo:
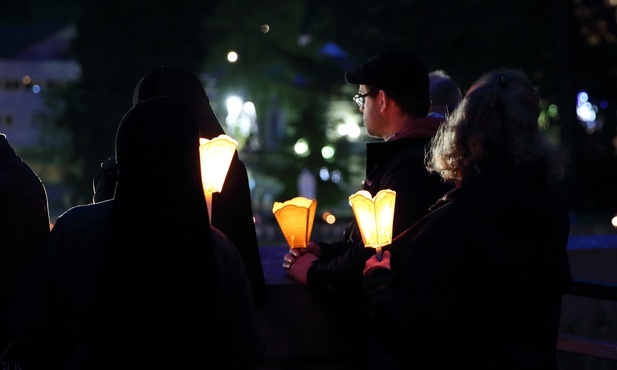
(85, 214)
(223, 248)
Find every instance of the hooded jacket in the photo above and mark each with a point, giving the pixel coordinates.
(141, 280)
(24, 225)
(232, 211)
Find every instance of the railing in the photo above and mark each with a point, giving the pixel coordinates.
(586, 346)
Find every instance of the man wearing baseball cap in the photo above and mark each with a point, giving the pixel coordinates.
(393, 96)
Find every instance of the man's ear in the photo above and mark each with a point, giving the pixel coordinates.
(383, 100)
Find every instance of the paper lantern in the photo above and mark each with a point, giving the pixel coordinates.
(215, 157)
(295, 218)
(374, 216)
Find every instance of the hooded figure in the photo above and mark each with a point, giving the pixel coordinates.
(232, 211)
(24, 225)
(156, 287)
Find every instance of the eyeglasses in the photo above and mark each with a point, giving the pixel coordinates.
(359, 98)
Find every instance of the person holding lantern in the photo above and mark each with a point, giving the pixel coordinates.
(478, 282)
(232, 211)
(393, 96)
(138, 282)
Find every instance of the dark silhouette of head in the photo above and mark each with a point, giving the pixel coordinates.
(178, 83)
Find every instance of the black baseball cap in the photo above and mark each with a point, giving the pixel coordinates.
(394, 71)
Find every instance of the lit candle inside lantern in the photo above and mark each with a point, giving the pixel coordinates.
(374, 216)
(295, 218)
(215, 157)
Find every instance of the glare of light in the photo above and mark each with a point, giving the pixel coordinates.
(234, 107)
(586, 112)
(336, 176)
(232, 56)
(341, 129)
(353, 131)
(582, 97)
(264, 28)
(301, 148)
(552, 110)
(249, 108)
(604, 103)
(36, 89)
(26, 80)
(614, 221)
(331, 219)
(327, 152)
(328, 217)
(349, 129)
(324, 174)
(304, 40)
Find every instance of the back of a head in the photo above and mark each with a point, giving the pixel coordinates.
(444, 91)
(157, 149)
(495, 125)
(180, 84)
(400, 74)
(157, 278)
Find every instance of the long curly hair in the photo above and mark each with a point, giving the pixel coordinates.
(496, 124)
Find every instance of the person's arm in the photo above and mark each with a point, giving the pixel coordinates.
(412, 307)
(36, 323)
(340, 275)
(243, 341)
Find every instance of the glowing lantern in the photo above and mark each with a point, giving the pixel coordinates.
(295, 218)
(215, 157)
(374, 217)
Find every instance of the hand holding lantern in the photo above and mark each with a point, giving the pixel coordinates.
(295, 218)
(374, 216)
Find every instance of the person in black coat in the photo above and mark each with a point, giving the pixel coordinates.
(232, 211)
(478, 282)
(393, 96)
(141, 281)
(24, 225)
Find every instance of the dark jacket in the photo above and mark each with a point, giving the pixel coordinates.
(24, 225)
(478, 282)
(142, 280)
(397, 165)
(232, 211)
(53, 326)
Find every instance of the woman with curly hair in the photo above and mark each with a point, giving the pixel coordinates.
(477, 283)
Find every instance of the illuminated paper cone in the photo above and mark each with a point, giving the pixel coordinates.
(374, 216)
(215, 157)
(295, 218)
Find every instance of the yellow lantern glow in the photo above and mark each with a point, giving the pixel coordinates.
(295, 218)
(374, 216)
(215, 157)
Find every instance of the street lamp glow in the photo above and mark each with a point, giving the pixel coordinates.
(327, 152)
(301, 147)
(234, 107)
(232, 56)
(249, 108)
(353, 131)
